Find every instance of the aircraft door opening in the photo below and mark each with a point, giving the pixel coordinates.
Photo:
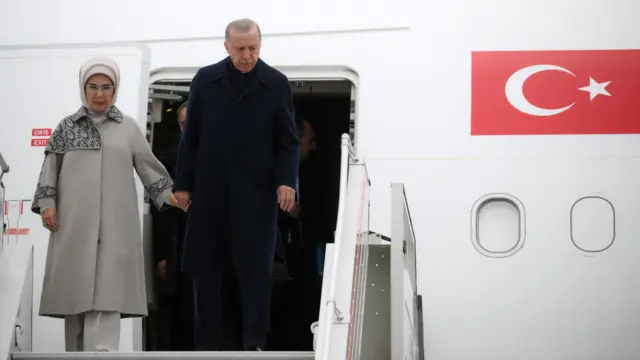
(325, 102)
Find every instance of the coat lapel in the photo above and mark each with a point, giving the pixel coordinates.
(251, 87)
(227, 85)
(254, 84)
(248, 89)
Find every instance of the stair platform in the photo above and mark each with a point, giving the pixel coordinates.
(163, 355)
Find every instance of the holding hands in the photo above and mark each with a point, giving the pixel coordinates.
(180, 199)
(286, 199)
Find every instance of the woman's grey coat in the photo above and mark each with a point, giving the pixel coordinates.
(95, 259)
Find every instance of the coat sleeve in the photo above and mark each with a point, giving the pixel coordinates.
(287, 153)
(152, 173)
(188, 148)
(47, 189)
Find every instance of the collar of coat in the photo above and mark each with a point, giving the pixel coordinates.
(113, 114)
(219, 70)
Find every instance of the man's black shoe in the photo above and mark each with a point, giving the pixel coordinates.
(253, 348)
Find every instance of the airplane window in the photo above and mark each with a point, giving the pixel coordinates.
(593, 224)
(498, 225)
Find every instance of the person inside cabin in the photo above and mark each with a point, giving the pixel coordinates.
(237, 164)
(170, 228)
(289, 222)
(86, 196)
(291, 318)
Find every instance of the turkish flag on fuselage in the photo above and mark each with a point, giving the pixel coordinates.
(555, 92)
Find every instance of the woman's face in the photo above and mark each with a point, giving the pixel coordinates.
(99, 90)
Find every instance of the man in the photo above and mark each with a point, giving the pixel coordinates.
(307, 141)
(290, 222)
(170, 234)
(237, 164)
(307, 146)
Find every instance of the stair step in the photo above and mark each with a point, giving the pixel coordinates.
(162, 355)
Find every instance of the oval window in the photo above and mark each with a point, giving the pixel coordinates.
(498, 225)
(593, 224)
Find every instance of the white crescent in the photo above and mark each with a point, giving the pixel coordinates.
(515, 95)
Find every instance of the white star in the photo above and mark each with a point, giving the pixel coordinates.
(596, 88)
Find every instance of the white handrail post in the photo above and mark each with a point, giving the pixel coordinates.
(397, 271)
(331, 309)
(4, 168)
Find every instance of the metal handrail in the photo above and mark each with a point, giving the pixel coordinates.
(347, 153)
(4, 168)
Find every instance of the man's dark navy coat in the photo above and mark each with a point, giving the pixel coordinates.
(239, 145)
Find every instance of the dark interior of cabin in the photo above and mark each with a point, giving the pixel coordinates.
(295, 301)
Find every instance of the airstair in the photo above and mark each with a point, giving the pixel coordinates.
(370, 307)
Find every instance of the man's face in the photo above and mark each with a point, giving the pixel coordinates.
(307, 142)
(244, 48)
(182, 117)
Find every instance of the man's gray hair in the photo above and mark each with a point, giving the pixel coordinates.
(241, 25)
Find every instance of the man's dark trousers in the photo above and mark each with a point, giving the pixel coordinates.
(253, 264)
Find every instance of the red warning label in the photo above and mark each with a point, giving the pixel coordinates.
(41, 132)
(39, 142)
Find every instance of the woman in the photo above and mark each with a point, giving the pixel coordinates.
(86, 196)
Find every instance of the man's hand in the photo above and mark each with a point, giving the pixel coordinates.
(295, 211)
(50, 219)
(162, 269)
(286, 198)
(184, 199)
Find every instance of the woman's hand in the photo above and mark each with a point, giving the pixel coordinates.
(49, 219)
(175, 201)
